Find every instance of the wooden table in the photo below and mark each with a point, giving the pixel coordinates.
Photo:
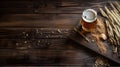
(32, 32)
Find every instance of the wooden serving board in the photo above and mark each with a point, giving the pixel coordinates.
(91, 45)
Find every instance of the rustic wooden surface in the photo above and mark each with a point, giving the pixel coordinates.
(31, 32)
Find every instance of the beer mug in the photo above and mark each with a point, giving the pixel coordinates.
(89, 20)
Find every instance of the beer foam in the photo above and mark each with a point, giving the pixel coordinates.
(89, 15)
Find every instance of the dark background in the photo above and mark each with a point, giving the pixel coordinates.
(31, 32)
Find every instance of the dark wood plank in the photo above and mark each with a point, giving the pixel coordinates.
(47, 57)
(40, 20)
(46, 6)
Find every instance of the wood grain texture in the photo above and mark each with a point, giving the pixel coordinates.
(46, 6)
(32, 32)
(32, 39)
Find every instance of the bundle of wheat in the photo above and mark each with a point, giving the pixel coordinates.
(112, 20)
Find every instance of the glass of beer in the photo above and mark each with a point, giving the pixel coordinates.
(89, 20)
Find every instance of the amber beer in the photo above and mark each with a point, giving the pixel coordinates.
(89, 20)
